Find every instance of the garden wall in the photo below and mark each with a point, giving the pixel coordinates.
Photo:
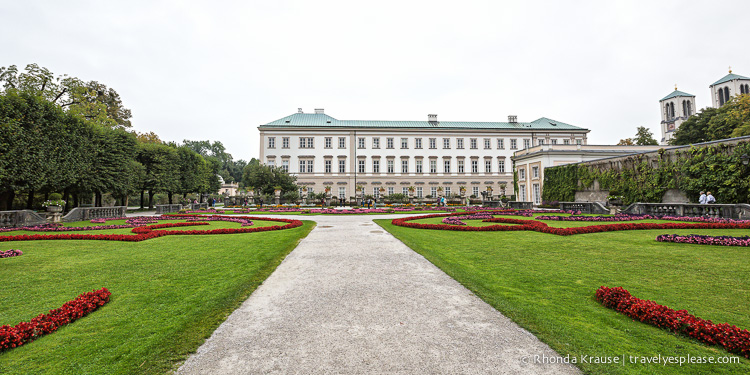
(674, 174)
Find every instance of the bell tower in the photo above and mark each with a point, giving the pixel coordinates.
(675, 109)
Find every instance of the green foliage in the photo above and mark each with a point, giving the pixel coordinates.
(90, 101)
(55, 196)
(266, 179)
(716, 168)
(731, 120)
(644, 137)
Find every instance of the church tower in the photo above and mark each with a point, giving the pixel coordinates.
(675, 108)
(725, 88)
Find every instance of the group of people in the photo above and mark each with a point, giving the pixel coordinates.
(706, 198)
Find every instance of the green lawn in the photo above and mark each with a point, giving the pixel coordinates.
(168, 295)
(546, 283)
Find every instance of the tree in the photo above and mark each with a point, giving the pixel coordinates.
(159, 163)
(91, 101)
(730, 120)
(626, 142)
(695, 128)
(265, 178)
(42, 147)
(644, 137)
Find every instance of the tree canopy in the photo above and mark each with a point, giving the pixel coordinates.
(266, 179)
(91, 101)
(710, 124)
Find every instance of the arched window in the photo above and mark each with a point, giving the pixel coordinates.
(726, 94)
(742, 89)
(689, 109)
(671, 110)
(684, 108)
(721, 97)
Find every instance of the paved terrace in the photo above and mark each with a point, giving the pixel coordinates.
(353, 299)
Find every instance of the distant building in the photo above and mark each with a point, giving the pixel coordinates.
(530, 163)
(387, 157)
(226, 189)
(678, 106)
(728, 86)
(675, 109)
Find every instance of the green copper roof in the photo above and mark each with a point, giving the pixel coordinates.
(319, 120)
(675, 94)
(727, 78)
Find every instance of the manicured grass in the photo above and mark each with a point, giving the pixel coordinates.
(168, 295)
(264, 213)
(546, 283)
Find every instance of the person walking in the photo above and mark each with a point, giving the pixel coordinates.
(710, 198)
(702, 199)
(374, 203)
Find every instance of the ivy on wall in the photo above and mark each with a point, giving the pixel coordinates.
(717, 168)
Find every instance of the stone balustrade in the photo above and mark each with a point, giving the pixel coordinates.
(585, 207)
(739, 211)
(88, 213)
(20, 218)
(518, 205)
(167, 208)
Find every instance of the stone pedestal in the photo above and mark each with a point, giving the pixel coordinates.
(277, 196)
(54, 217)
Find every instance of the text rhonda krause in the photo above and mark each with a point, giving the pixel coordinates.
(630, 359)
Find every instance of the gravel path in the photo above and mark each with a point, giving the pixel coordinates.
(352, 299)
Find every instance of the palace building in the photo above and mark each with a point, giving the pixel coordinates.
(388, 157)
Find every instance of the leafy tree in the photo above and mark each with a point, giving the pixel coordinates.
(644, 137)
(159, 163)
(626, 142)
(731, 120)
(91, 101)
(695, 128)
(41, 146)
(265, 178)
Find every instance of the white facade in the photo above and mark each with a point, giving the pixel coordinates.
(394, 155)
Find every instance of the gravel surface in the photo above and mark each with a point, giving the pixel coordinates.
(352, 299)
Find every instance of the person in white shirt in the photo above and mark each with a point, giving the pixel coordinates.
(710, 198)
(702, 199)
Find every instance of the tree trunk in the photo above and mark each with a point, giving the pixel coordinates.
(150, 199)
(30, 200)
(125, 200)
(143, 194)
(169, 194)
(75, 200)
(98, 199)
(67, 201)
(6, 200)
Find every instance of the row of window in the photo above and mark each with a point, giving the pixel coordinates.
(536, 193)
(306, 166)
(687, 110)
(522, 173)
(390, 190)
(308, 142)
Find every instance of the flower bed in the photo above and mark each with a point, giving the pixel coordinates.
(732, 338)
(538, 226)
(147, 232)
(10, 253)
(705, 240)
(458, 220)
(618, 217)
(25, 332)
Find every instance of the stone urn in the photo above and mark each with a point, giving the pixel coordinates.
(277, 196)
(54, 209)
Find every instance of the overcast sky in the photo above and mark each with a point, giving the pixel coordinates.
(217, 69)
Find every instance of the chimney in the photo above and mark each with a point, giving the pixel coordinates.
(432, 119)
(512, 119)
(319, 111)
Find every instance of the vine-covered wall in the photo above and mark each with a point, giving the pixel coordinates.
(646, 177)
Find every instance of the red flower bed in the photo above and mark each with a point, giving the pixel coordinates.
(733, 339)
(25, 332)
(147, 232)
(538, 226)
